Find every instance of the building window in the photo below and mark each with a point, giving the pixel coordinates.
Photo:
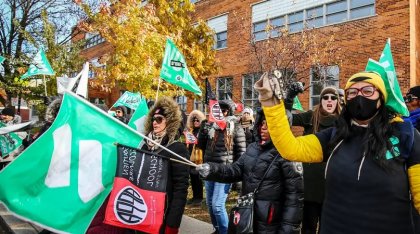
(295, 22)
(93, 40)
(315, 17)
(219, 25)
(321, 78)
(361, 8)
(249, 95)
(200, 105)
(182, 102)
(336, 12)
(194, 1)
(224, 86)
(260, 29)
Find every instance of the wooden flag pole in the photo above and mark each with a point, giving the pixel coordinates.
(45, 86)
(157, 91)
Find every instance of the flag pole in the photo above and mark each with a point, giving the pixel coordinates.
(157, 91)
(45, 86)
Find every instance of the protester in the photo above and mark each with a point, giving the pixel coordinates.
(121, 114)
(9, 116)
(161, 126)
(247, 123)
(278, 202)
(322, 117)
(413, 103)
(223, 147)
(196, 155)
(371, 161)
(341, 95)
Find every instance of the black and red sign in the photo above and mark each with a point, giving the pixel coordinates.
(216, 114)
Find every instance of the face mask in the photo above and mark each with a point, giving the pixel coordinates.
(362, 108)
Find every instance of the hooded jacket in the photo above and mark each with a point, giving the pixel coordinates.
(278, 205)
(222, 146)
(178, 174)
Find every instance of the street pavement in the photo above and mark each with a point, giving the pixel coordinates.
(11, 224)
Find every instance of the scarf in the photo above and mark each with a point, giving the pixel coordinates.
(157, 137)
(414, 117)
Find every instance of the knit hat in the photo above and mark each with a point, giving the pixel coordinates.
(415, 91)
(368, 77)
(160, 111)
(329, 89)
(248, 110)
(8, 111)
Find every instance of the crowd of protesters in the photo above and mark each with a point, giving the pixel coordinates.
(360, 171)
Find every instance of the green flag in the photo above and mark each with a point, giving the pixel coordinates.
(9, 142)
(385, 67)
(139, 116)
(2, 59)
(297, 105)
(129, 99)
(175, 70)
(61, 180)
(39, 66)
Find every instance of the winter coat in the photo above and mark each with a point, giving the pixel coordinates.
(314, 181)
(178, 174)
(278, 205)
(195, 114)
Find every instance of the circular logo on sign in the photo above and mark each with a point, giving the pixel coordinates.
(130, 207)
(190, 137)
(217, 112)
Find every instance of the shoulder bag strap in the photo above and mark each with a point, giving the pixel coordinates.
(259, 184)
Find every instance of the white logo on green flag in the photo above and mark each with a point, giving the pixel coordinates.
(385, 67)
(139, 116)
(129, 99)
(9, 142)
(63, 178)
(175, 70)
(39, 66)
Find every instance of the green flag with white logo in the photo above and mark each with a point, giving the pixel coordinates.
(129, 99)
(385, 67)
(61, 180)
(9, 142)
(139, 116)
(2, 59)
(175, 70)
(297, 105)
(39, 66)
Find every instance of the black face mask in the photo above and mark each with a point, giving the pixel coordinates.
(362, 108)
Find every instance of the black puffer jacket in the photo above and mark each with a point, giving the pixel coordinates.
(279, 201)
(215, 145)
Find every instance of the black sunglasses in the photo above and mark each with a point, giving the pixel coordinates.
(332, 97)
(158, 119)
(196, 120)
(410, 98)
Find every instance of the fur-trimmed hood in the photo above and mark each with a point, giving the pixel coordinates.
(172, 115)
(194, 114)
(52, 110)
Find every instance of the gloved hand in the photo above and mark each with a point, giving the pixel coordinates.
(203, 169)
(292, 91)
(171, 230)
(269, 90)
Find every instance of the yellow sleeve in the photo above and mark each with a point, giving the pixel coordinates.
(414, 179)
(301, 149)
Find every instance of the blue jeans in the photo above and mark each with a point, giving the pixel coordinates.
(216, 195)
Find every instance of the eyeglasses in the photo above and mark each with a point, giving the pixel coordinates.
(366, 91)
(332, 97)
(410, 98)
(158, 119)
(118, 111)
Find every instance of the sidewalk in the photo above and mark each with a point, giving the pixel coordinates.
(11, 224)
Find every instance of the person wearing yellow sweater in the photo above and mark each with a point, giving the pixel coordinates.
(373, 158)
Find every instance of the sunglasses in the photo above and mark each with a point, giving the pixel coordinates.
(366, 91)
(118, 111)
(327, 97)
(158, 119)
(196, 120)
(410, 98)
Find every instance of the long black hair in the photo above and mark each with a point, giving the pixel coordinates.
(376, 139)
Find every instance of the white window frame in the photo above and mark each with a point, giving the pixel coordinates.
(225, 80)
(254, 94)
(182, 102)
(93, 39)
(334, 71)
(219, 26)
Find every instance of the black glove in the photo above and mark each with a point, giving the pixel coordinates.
(292, 91)
(204, 127)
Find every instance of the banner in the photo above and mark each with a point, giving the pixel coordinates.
(190, 138)
(175, 71)
(39, 66)
(9, 142)
(77, 84)
(129, 99)
(137, 200)
(139, 116)
(60, 181)
(216, 114)
(209, 93)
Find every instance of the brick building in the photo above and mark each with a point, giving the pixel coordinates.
(361, 28)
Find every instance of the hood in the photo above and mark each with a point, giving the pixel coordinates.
(229, 104)
(195, 114)
(52, 110)
(172, 115)
(123, 109)
(258, 120)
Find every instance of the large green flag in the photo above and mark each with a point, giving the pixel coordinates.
(63, 178)
(129, 99)
(9, 142)
(175, 70)
(385, 67)
(39, 66)
(139, 116)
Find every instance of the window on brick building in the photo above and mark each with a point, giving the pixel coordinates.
(295, 22)
(219, 25)
(336, 12)
(194, 1)
(361, 8)
(321, 78)
(93, 39)
(200, 105)
(260, 29)
(182, 102)
(249, 95)
(224, 86)
(315, 17)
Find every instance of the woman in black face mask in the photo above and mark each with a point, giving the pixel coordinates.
(373, 159)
